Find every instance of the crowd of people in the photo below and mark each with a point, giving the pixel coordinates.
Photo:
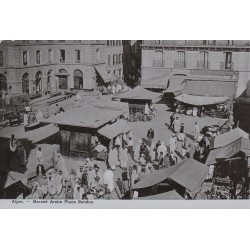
(88, 181)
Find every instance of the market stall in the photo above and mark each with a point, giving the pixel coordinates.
(227, 159)
(78, 128)
(140, 103)
(201, 105)
(184, 177)
(111, 133)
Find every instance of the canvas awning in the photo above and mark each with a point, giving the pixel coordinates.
(139, 93)
(200, 100)
(156, 83)
(102, 72)
(112, 130)
(229, 137)
(240, 145)
(176, 84)
(209, 87)
(171, 195)
(188, 173)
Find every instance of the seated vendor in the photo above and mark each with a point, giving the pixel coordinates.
(100, 148)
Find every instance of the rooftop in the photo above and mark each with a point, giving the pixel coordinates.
(86, 116)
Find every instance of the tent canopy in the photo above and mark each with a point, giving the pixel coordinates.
(208, 87)
(102, 72)
(200, 100)
(176, 84)
(240, 145)
(139, 93)
(112, 130)
(171, 195)
(86, 116)
(188, 173)
(229, 137)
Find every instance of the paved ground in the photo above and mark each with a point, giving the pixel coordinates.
(159, 124)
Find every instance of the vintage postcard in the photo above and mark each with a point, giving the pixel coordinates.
(124, 123)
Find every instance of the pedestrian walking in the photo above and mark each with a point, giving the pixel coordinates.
(182, 134)
(172, 143)
(196, 131)
(172, 118)
(150, 135)
(177, 127)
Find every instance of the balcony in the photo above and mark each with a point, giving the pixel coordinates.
(226, 66)
(203, 65)
(157, 63)
(180, 64)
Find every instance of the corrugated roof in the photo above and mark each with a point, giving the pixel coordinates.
(229, 137)
(240, 145)
(86, 116)
(112, 130)
(139, 93)
(200, 100)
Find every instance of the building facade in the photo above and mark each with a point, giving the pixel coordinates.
(161, 58)
(51, 65)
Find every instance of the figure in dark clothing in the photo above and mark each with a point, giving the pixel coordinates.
(172, 118)
(156, 151)
(150, 135)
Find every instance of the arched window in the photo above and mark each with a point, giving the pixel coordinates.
(38, 82)
(3, 82)
(158, 62)
(158, 55)
(78, 79)
(25, 83)
(63, 79)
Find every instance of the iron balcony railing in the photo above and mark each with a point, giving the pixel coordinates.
(203, 65)
(157, 63)
(180, 64)
(226, 66)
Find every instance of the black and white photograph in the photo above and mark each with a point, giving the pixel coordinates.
(137, 120)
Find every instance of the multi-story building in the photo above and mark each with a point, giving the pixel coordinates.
(49, 65)
(113, 54)
(162, 58)
(131, 61)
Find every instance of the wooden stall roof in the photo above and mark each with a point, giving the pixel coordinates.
(139, 93)
(86, 116)
(112, 130)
